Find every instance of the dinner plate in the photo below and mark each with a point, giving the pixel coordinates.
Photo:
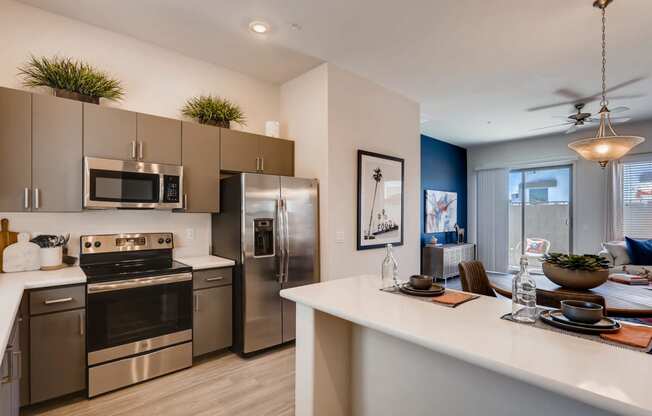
(606, 323)
(545, 317)
(435, 290)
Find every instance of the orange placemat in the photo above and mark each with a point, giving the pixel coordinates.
(454, 299)
(632, 335)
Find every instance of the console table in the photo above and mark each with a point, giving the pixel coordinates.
(441, 261)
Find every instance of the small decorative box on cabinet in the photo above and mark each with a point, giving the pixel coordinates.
(441, 261)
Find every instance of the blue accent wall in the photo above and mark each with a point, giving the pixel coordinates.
(443, 168)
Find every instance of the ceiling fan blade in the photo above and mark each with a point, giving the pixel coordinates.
(572, 129)
(569, 93)
(626, 97)
(625, 84)
(553, 126)
(619, 109)
(547, 106)
(618, 120)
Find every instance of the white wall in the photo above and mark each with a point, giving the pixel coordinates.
(304, 117)
(158, 81)
(589, 184)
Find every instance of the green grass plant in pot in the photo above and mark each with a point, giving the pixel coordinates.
(70, 78)
(572, 271)
(216, 111)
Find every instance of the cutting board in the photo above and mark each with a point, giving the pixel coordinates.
(7, 237)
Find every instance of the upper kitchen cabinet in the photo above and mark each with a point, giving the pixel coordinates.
(247, 152)
(201, 167)
(15, 150)
(110, 133)
(159, 139)
(56, 154)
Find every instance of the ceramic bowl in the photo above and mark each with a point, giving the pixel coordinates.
(574, 279)
(584, 312)
(421, 282)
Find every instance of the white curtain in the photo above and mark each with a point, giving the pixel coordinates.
(493, 219)
(614, 202)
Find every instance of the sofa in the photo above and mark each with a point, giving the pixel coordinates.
(616, 253)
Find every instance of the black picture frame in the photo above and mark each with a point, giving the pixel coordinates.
(360, 226)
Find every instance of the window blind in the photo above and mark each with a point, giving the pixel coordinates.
(637, 199)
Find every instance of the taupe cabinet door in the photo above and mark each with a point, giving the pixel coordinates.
(277, 156)
(212, 320)
(247, 152)
(159, 139)
(109, 133)
(57, 354)
(56, 154)
(15, 149)
(240, 151)
(201, 167)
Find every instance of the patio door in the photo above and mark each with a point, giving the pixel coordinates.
(540, 214)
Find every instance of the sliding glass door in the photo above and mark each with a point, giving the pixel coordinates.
(540, 214)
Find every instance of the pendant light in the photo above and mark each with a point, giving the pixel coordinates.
(607, 145)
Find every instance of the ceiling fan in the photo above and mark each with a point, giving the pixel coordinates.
(579, 119)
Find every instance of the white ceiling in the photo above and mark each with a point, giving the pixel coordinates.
(475, 66)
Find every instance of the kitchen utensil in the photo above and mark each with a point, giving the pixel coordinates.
(546, 318)
(45, 240)
(435, 290)
(6, 237)
(557, 315)
(21, 256)
(583, 312)
(420, 282)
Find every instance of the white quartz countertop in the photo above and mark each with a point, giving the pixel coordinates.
(607, 377)
(12, 286)
(206, 262)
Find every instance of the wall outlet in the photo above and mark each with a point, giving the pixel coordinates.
(339, 237)
(190, 234)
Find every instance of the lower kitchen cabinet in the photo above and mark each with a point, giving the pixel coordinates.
(57, 354)
(212, 319)
(10, 375)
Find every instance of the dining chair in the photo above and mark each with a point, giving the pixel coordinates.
(474, 278)
(552, 299)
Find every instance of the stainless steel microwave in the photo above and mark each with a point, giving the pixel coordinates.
(129, 184)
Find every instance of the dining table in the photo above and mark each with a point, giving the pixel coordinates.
(621, 300)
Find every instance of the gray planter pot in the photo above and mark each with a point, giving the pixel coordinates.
(223, 124)
(574, 279)
(76, 96)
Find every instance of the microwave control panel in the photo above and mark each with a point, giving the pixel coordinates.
(171, 185)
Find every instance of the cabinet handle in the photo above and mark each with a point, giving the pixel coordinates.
(185, 201)
(10, 367)
(214, 279)
(55, 301)
(18, 355)
(133, 150)
(257, 164)
(196, 303)
(140, 150)
(26, 196)
(37, 198)
(262, 164)
(82, 324)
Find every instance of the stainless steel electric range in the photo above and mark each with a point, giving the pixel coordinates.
(139, 309)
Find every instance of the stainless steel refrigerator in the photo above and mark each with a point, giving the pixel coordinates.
(270, 226)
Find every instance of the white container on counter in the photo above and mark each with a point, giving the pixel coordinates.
(51, 257)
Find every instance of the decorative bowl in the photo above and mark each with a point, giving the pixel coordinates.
(421, 282)
(575, 279)
(584, 312)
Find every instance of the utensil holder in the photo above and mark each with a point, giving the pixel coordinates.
(51, 256)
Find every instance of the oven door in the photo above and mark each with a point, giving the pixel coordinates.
(133, 316)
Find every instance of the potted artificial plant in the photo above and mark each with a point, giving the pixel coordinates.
(574, 271)
(216, 111)
(70, 78)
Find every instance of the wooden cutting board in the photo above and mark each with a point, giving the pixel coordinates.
(7, 237)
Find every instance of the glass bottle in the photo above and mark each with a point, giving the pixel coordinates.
(524, 295)
(390, 269)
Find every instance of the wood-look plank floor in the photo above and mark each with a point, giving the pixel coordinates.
(215, 386)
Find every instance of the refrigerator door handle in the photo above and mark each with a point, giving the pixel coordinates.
(286, 251)
(279, 241)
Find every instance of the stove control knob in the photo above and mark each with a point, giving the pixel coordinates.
(97, 244)
(168, 240)
(161, 241)
(87, 244)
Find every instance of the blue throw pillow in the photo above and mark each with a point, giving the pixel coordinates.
(640, 251)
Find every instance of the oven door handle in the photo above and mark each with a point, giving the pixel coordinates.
(136, 283)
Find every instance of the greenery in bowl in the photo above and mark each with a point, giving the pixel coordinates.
(586, 262)
(207, 109)
(70, 75)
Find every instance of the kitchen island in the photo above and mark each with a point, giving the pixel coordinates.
(361, 351)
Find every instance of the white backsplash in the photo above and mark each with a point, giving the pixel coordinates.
(192, 232)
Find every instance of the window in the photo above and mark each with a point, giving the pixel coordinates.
(637, 199)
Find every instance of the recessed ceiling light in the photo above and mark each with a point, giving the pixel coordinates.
(259, 27)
